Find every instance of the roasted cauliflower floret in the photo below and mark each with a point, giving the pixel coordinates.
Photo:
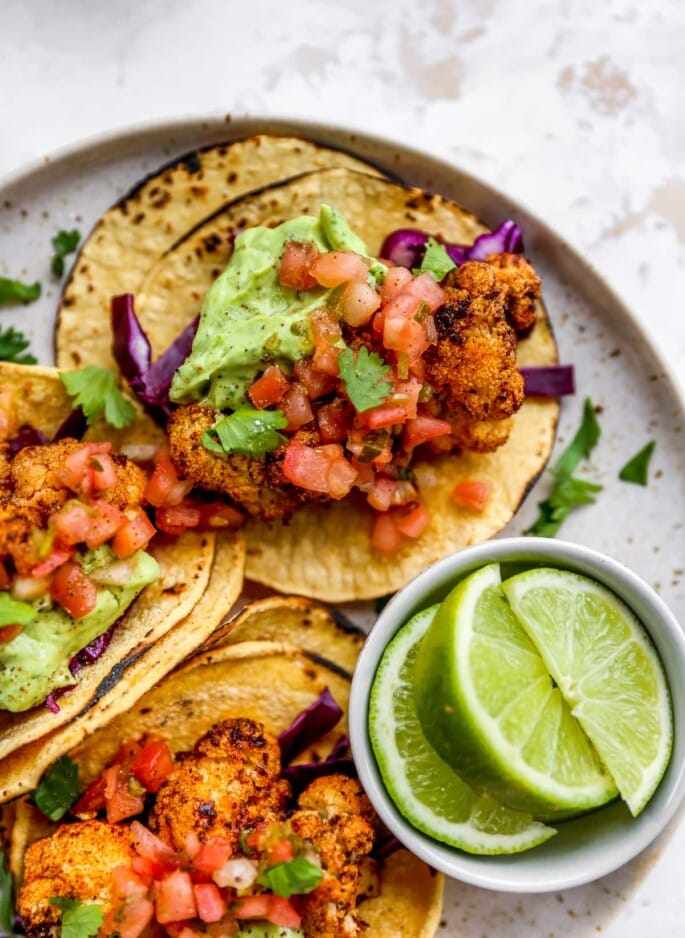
(229, 782)
(520, 287)
(334, 815)
(76, 862)
(256, 484)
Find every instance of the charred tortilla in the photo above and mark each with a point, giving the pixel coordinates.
(135, 232)
(161, 614)
(324, 551)
(269, 682)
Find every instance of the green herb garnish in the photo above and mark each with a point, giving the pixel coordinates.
(636, 470)
(366, 378)
(249, 431)
(12, 347)
(569, 491)
(436, 261)
(14, 612)
(95, 391)
(14, 291)
(58, 789)
(64, 243)
(79, 919)
(294, 877)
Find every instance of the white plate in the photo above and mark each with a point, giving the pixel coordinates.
(615, 365)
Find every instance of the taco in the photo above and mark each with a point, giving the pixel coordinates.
(86, 589)
(223, 710)
(159, 210)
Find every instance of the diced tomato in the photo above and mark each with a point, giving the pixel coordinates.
(8, 632)
(147, 869)
(175, 898)
(296, 407)
(407, 394)
(257, 906)
(92, 800)
(269, 388)
(71, 524)
(282, 913)
(319, 469)
(81, 474)
(316, 383)
(153, 764)
(405, 334)
(134, 534)
(103, 473)
(382, 493)
(386, 539)
(395, 279)
(176, 519)
(212, 854)
(127, 752)
(120, 801)
(365, 475)
(472, 493)
(359, 302)
(72, 589)
(164, 486)
(132, 918)
(385, 415)
(296, 262)
(422, 429)
(149, 846)
(105, 521)
(55, 560)
(211, 906)
(425, 289)
(336, 267)
(415, 522)
(214, 515)
(126, 884)
(327, 334)
(281, 852)
(333, 421)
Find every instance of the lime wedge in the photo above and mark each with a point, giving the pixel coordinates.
(423, 787)
(607, 669)
(487, 704)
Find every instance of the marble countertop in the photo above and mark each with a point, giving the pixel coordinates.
(573, 108)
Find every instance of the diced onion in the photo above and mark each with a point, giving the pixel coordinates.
(238, 873)
(117, 573)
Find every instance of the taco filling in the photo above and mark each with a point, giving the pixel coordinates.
(217, 847)
(72, 560)
(318, 371)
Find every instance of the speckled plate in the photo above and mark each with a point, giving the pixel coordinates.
(615, 365)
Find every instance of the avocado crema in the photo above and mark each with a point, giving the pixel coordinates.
(36, 662)
(249, 320)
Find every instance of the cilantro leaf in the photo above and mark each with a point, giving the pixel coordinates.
(249, 431)
(95, 390)
(296, 876)
(58, 789)
(14, 291)
(436, 260)
(636, 470)
(79, 919)
(6, 898)
(569, 491)
(64, 242)
(366, 378)
(14, 612)
(12, 344)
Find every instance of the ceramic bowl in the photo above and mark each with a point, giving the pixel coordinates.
(587, 847)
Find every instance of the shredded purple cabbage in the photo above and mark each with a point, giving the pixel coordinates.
(51, 702)
(27, 436)
(549, 380)
(130, 346)
(405, 247)
(74, 425)
(337, 762)
(152, 386)
(308, 726)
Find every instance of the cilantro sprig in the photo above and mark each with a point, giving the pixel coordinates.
(569, 491)
(13, 345)
(95, 391)
(16, 291)
(79, 919)
(366, 378)
(64, 243)
(636, 470)
(436, 261)
(293, 877)
(247, 430)
(58, 789)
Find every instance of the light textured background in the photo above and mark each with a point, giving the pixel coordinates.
(574, 107)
